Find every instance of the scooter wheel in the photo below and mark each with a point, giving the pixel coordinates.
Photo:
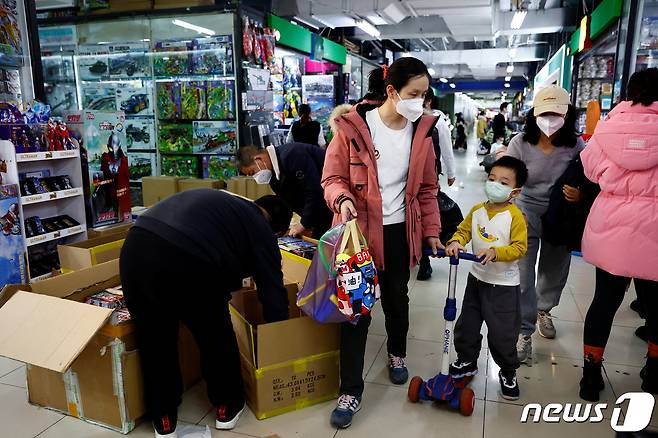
(467, 402)
(414, 389)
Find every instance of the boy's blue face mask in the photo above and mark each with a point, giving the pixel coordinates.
(496, 192)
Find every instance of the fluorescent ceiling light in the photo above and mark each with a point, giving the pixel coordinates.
(368, 28)
(444, 80)
(508, 78)
(320, 20)
(405, 55)
(377, 19)
(193, 27)
(395, 11)
(452, 85)
(517, 20)
(507, 85)
(305, 22)
(510, 68)
(512, 52)
(431, 71)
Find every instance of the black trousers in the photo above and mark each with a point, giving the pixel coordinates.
(164, 286)
(395, 303)
(608, 295)
(498, 306)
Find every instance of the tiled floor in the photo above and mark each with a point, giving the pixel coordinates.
(553, 376)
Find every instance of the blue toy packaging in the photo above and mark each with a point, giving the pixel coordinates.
(12, 260)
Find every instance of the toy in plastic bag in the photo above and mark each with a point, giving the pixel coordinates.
(318, 298)
(356, 280)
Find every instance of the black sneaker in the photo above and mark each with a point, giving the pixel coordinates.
(227, 416)
(460, 369)
(592, 382)
(509, 387)
(424, 272)
(165, 426)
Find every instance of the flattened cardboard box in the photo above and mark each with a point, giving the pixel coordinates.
(157, 188)
(93, 233)
(90, 252)
(78, 364)
(286, 365)
(196, 183)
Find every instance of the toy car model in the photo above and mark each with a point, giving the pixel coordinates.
(98, 68)
(135, 103)
(123, 63)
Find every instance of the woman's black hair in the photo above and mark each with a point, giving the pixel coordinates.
(403, 70)
(376, 86)
(567, 135)
(643, 87)
(304, 110)
(429, 96)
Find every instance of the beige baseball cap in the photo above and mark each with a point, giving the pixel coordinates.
(552, 99)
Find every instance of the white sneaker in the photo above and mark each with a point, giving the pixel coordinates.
(524, 348)
(226, 419)
(545, 325)
(169, 435)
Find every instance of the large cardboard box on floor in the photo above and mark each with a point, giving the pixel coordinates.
(157, 188)
(245, 186)
(90, 252)
(78, 363)
(286, 365)
(197, 183)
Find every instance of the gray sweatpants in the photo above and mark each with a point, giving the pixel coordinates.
(540, 290)
(499, 307)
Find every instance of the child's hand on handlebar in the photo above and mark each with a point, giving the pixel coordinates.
(487, 255)
(454, 248)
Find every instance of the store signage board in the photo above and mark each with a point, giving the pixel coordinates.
(584, 41)
(57, 36)
(603, 16)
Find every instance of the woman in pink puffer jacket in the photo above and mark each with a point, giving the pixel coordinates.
(621, 235)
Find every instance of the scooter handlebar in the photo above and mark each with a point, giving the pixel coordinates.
(462, 255)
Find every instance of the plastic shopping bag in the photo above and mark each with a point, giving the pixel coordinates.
(357, 282)
(318, 298)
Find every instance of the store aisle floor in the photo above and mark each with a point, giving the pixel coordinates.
(552, 378)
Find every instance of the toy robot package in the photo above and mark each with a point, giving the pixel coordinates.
(193, 100)
(172, 58)
(168, 95)
(357, 282)
(175, 138)
(103, 135)
(220, 100)
(12, 260)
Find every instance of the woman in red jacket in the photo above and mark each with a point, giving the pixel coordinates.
(380, 169)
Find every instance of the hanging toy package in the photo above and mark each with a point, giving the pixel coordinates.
(356, 281)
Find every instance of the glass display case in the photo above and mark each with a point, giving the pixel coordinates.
(645, 44)
(174, 78)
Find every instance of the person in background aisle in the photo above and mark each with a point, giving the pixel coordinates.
(499, 125)
(442, 148)
(381, 169)
(293, 171)
(460, 138)
(482, 125)
(548, 144)
(621, 233)
(499, 234)
(448, 121)
(306, 130)
(215, 240)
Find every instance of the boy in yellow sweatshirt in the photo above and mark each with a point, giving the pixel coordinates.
(499, 234)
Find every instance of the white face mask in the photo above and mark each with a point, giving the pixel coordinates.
(410, 109)
(263, 176)
(549, 125)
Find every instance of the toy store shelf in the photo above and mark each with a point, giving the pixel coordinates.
(188, 78)
(196, 154)
(51, 196)
(595, 79)
(42, 156)
(188, 121)
(48, 237)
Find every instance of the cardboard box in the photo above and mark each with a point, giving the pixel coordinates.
(238, 185)
(286, 365)
(157, 188)
(90, 252)
(196, 183)
(295, 267)
(93, 233)
(77, 363)
(246, 186)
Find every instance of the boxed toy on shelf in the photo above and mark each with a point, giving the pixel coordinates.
(168, 100)
(214, 137)
(171, 58)
(140, 133)
(134, 101)
(213, 55)
(220, 167)
(93, 60)
(220, 100)
(175, 137)
(141, 164)
(177, 165)
(193, 100)
(12, 246)
(128, 60)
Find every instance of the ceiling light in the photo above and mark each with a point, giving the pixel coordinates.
(508, 78)
(452, 85)
(306, 23)
(194, 27)
(431, 71)
(512, 52)
(444, 80)
(510, 68)
(507, 85)
(320, 20)
(517, 20)
(368, 28)
(405, 55)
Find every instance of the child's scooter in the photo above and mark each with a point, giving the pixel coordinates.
(442, 387)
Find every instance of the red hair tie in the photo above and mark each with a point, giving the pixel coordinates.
(385, 68)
